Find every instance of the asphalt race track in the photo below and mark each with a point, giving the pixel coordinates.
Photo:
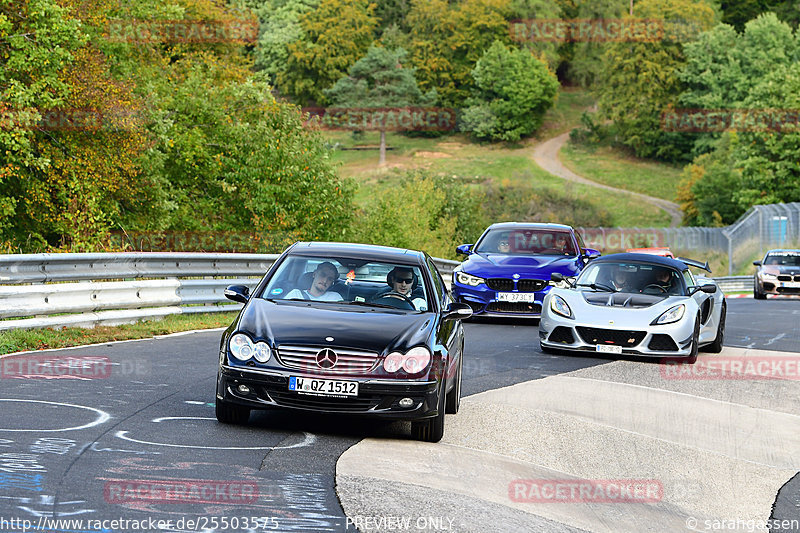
(127, 431)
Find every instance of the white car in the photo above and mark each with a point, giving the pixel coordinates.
(635, 304)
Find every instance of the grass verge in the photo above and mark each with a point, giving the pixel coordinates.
(40, 339)
(612, 167)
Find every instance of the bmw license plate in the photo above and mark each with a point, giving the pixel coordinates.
(607, 348)
(516, 297)
(323, 387)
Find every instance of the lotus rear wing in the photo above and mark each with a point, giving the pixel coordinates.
(698, 264)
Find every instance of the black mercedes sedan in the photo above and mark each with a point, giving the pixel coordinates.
(345, 328)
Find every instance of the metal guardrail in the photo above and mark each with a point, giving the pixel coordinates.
(735, 283)
(38, 286)
(55, 290)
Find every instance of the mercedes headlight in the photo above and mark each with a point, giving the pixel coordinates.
(671, 315)
(243, 348)
(467, 279)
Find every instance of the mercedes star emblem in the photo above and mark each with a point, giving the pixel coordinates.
(326, 358)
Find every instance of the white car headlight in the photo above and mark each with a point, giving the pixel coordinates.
(671, 315)
(559, 306)
(242, 347)
(768, 275)
(467, 279)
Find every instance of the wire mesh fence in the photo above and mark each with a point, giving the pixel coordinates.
(730, 248)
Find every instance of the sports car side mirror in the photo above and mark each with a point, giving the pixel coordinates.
(556, 277)
(464, 249)
(757, 263)
(238, 293)
(457, 311)
(708, 289)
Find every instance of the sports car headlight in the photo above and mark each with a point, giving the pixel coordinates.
(467, 279)
(241, 346)
(413, 362)
(560, 307)
(768, 275)
(671, 315)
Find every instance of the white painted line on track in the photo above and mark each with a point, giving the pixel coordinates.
(103, 416)
(307, 441)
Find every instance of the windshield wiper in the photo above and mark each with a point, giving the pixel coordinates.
(597, 286)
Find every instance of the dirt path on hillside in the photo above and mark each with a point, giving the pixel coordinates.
(546, 156)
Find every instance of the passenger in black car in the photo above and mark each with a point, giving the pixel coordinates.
(325, 276)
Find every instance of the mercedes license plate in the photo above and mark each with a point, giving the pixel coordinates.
(323, 387)
(516, 297)
(607, 348)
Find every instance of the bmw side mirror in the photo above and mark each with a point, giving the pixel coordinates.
(590, 253)
(556, 277)
(457, 311)
(757, 263)
(464, 249)
(238, 293)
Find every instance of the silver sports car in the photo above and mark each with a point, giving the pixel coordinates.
(636, 304)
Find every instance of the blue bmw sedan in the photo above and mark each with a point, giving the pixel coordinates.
(507, 272)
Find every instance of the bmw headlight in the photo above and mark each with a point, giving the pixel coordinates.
(242, 347)
(467, 279)
(671, 315)
(768, 275)
(560, 307)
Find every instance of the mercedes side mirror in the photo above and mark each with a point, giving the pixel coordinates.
(237, 293)
(457, 311)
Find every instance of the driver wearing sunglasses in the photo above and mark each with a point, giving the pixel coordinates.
(402, 282)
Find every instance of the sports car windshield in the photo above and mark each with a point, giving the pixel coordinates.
(636, 278)
(783, 259)
(351, 281)
(527, 242)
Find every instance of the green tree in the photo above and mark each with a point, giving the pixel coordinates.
(447, 39)
(738, 12)
(770, 159)
(514, 89)
(709, 185)
(410, 215)
(379, 80)
(640, 80)
(723, 66)
(336, 34)
(38, 40)
(280, 26)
